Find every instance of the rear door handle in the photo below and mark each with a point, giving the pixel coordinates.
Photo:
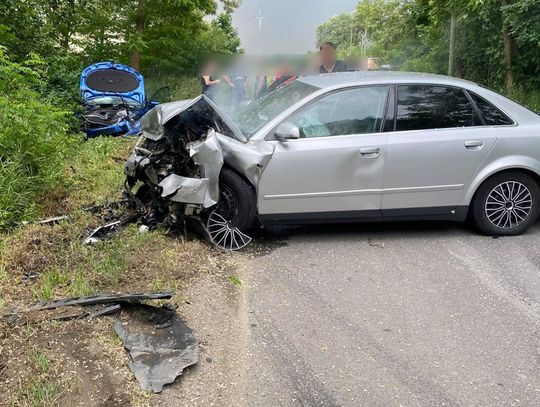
(371, 152)
(474, 144)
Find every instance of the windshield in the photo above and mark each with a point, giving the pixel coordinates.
(260, 112)
(112, 100)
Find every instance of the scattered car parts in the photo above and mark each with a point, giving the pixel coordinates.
(108, 230)
(101, 299)
(160, 344)
(175, 170)
(159, 351)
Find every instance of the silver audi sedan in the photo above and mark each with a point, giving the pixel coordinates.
(349, 147)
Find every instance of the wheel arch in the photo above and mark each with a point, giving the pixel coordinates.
(244, 178)
(526, 165)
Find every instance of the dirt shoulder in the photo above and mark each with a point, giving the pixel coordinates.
(82, 362)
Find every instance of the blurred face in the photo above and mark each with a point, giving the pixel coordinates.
(327, 55)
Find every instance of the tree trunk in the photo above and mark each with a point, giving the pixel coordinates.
(508, 51)
(139, 29)
(452, 46)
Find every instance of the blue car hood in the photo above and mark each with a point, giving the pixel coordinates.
(110, 79)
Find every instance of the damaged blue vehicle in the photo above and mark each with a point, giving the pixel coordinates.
(114, 100)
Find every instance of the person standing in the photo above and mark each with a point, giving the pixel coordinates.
(209, 83)
(328, 59)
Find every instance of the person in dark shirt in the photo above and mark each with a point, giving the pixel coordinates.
(209, 82)
(328, 59)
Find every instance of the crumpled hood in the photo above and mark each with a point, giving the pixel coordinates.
(174, 171)
(153, 123)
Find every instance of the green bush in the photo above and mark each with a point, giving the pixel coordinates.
(528, 97)
(34, 141)
(168, 88)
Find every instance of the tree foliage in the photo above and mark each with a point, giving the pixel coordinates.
(493, 37)
(166, 34)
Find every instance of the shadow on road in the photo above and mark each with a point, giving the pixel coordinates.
(270, 238)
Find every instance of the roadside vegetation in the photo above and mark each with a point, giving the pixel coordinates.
(493, 42)
(48, 169)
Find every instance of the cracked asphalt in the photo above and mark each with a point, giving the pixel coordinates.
(409, 314)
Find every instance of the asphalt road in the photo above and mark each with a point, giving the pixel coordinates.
(395, 315)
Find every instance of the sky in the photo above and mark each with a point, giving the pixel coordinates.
(289, 25)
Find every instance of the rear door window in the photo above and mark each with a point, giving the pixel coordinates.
(492, 116)
(422, 107)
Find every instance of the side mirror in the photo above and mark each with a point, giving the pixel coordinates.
(287, 131)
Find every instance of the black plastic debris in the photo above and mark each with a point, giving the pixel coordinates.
(161, 345)
(109, 230)
(90, 312)
(102, 299)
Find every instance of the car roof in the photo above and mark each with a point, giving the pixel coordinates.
(339, 79)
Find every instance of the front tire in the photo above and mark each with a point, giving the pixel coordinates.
(237, 203)
(507, 204)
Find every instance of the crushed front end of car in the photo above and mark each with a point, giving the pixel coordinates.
(173, 174)
(114, 99)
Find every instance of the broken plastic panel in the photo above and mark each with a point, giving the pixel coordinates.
(159, 353)
(102, 299)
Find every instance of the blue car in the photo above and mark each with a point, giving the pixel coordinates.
(114, 100)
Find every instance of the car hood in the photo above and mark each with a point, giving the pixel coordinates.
(110, 79)
(153, 123)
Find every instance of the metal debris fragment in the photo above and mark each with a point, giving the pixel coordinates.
(159, 352)
(50, 221)
(375, 244)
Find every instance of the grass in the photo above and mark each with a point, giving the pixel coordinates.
(50, 261)
(43, 390)
(234, 280)
(39, 393)
(49, 281)
(42, 363)
(3, 280)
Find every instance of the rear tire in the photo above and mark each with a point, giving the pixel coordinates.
(506, 204)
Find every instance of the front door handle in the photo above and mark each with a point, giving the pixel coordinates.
(474, 144)
(370, 152)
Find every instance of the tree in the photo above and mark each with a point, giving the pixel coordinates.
(495, 42)
(342, 31)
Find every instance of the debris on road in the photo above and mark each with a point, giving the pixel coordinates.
(375, 244)
(101, 299)
(161, 345)
(49, 221)
(107, 231)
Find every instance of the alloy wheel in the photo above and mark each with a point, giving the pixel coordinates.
(508, 204)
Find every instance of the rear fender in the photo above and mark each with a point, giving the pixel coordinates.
(513, 162)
